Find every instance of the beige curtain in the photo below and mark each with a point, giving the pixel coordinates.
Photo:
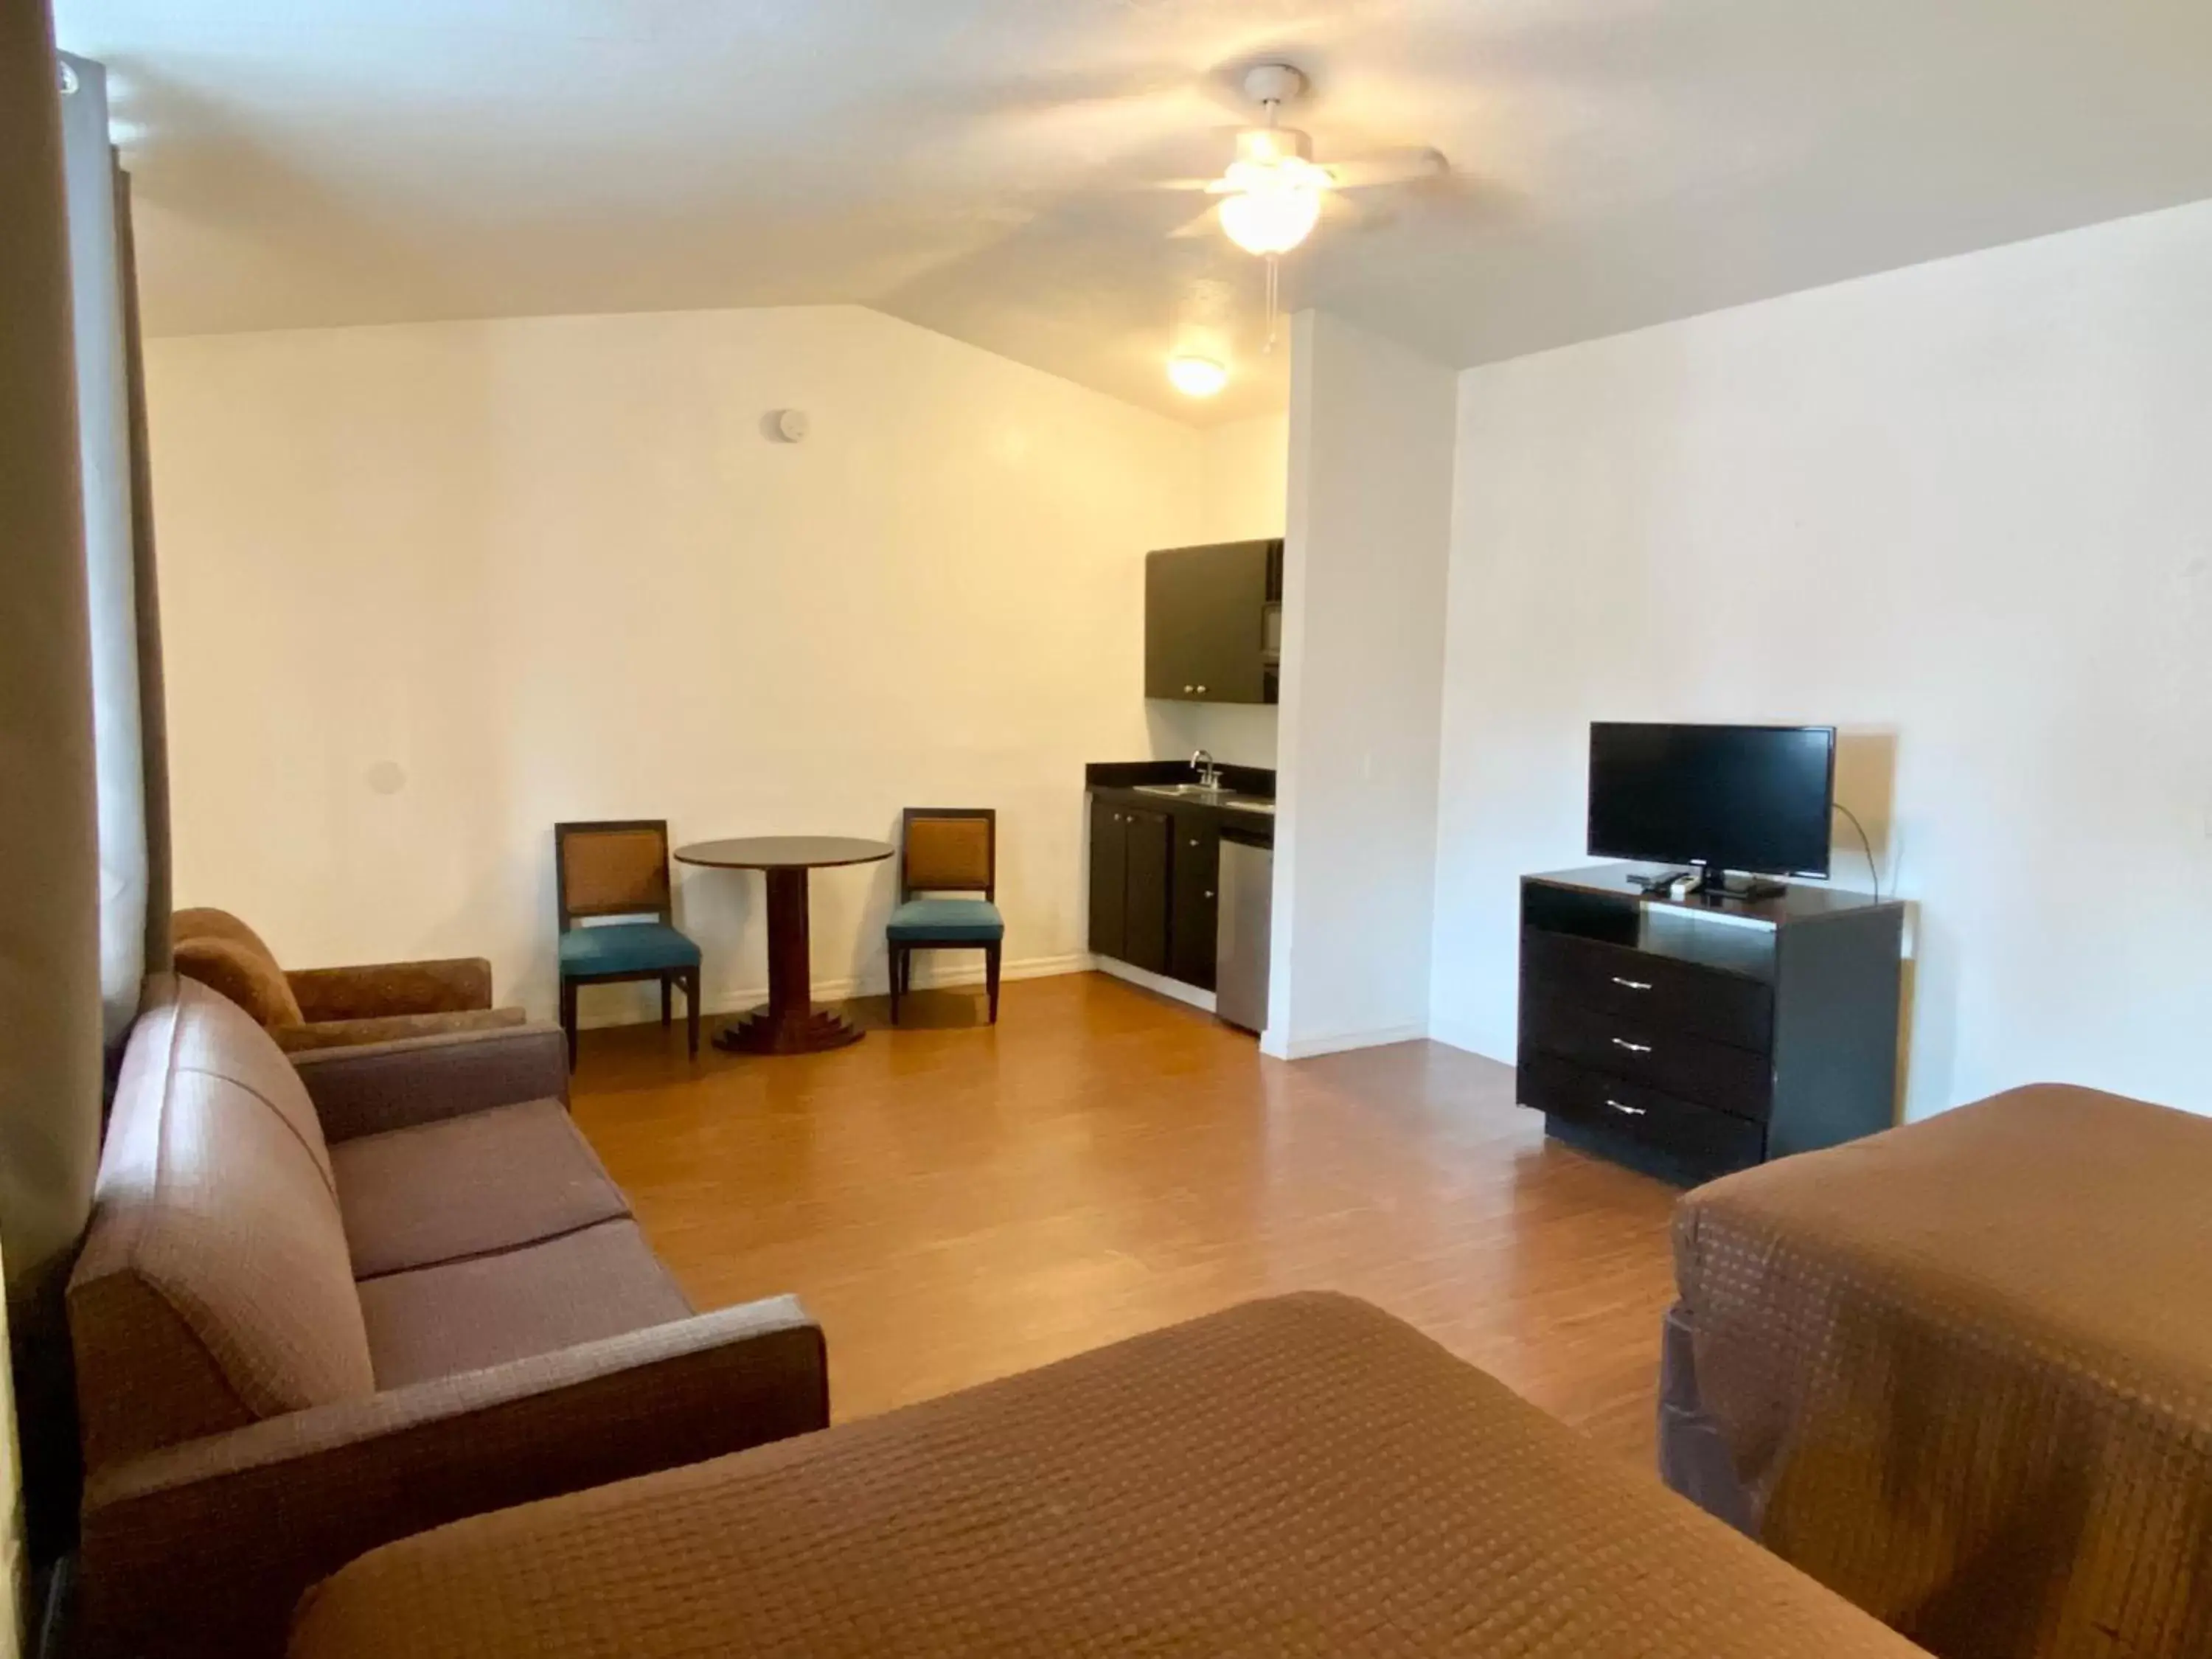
(50, 986)
(97, 294)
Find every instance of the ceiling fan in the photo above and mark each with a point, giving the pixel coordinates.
(1273, 192)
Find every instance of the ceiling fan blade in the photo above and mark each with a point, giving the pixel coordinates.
(1206, 224)
(1338, 208)
(1390, 166)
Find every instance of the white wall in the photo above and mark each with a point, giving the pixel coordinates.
(1964, 510)
(428, 589)
(1244, 492)
(1366, 560)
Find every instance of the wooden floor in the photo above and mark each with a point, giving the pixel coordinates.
(955, 1201)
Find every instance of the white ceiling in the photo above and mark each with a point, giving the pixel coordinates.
(979, 166)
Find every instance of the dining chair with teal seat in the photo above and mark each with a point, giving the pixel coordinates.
(944, 851)
(618, 868)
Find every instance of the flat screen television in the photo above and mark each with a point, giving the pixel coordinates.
(1749, 798)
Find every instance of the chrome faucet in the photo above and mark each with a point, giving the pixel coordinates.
(1209, 774)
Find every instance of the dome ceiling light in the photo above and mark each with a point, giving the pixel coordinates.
(1197, 377)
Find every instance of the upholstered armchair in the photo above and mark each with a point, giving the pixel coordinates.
(335, 1007)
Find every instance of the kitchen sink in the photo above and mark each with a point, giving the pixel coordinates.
(1198, 792)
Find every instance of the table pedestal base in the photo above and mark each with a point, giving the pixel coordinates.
(790, 1023)
(761, 1032)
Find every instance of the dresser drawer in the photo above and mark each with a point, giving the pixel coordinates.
(1709, 1142)
(1691, 1068)
(1665, 991)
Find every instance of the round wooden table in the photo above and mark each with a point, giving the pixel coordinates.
(791, 1024)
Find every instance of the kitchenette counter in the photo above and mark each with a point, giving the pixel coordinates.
(1180, 879)
(1244, 802)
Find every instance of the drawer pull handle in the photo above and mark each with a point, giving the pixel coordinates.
(1631, 984)
(1632, 1048)
(1632, 1111)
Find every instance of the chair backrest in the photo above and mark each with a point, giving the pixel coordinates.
(949, 849)
(215, 1287)
(220, 951)
(613, 867)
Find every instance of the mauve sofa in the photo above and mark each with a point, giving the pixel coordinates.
(330, 1302)
(1300, 1476)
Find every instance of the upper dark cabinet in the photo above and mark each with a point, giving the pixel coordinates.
(1207, 622)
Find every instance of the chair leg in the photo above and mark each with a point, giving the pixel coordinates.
(894, 965)
(667, 985)
(568, 1017)
(991, 976)
(691, 1009)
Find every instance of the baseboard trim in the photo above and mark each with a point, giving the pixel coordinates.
(961, 968)
(1159, 984)
(1312, 1048)
(1453, 1035)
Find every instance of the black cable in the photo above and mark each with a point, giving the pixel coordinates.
(1873, 869)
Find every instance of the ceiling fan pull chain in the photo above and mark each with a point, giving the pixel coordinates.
(1274, 264)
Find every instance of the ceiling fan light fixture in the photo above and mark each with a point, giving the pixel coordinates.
(1270, 194)
(1197, 377)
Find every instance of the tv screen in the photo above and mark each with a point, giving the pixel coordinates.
(1750, 798)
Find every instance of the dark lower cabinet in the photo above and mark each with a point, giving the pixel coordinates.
(1109, 876)
(1196, 903)
(1144, 895)
(1130, 862)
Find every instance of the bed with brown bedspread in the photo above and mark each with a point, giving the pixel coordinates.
(1305, 1475)
(1961, 1373)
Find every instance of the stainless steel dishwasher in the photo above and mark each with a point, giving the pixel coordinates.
(1240, 961)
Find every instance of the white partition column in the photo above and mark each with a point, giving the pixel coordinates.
(1373, 432)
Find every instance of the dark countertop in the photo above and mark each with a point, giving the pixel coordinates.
(1253, 782)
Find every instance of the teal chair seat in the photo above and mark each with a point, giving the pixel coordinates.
(949, 921)
(626, 947)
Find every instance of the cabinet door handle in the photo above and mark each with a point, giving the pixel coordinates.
(1631, 984)
(1632, 1111)
(1187, 689)
(1632, 1048)
(1201, 690)
(1209, 892)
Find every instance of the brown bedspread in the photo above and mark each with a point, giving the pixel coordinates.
(1299, 1476)
(1964, 1370)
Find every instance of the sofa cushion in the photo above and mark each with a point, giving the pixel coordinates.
(467, 1186)
(246, 975)
(393, 1028)
(486, 1310)
(221, 1040)
(215, 1286)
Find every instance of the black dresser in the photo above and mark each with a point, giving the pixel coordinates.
(1690, 1037)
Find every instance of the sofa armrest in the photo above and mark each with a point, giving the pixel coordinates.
(452, 985)
(376, 1086)
(203, 1548)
